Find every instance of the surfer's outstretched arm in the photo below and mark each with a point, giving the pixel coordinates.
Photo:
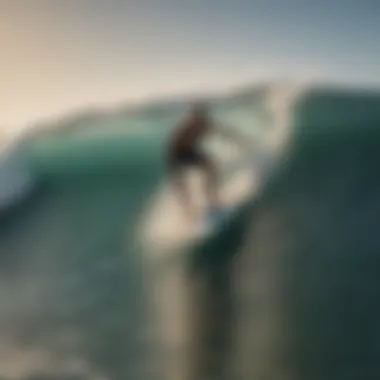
(244, 141)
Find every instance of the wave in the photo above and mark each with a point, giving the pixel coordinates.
(308, 273)
(70, 261)
(269, 291)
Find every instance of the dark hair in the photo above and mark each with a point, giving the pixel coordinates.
(200, 108)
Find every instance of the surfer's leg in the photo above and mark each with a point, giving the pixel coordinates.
(212, 188)
(181, 190)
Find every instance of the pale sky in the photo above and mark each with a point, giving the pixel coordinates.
(61, 55)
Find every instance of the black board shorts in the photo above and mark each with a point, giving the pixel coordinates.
(188, 157)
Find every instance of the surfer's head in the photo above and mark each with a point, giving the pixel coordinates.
(199, 111)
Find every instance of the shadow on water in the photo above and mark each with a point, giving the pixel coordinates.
(209, 279)
(315, 244)
(332, 285)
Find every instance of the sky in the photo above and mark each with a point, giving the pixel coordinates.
(61, 56)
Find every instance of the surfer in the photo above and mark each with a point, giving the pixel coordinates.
(184, 150)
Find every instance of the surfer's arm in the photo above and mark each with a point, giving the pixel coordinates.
(236, 137)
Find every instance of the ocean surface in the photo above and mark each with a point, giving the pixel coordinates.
(289, 289)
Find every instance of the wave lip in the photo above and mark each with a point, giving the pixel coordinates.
(16, 181)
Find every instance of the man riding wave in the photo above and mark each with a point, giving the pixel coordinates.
(184, 150)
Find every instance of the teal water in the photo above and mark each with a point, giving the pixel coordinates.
(290, 287)
(73, 245)
(309, 275)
